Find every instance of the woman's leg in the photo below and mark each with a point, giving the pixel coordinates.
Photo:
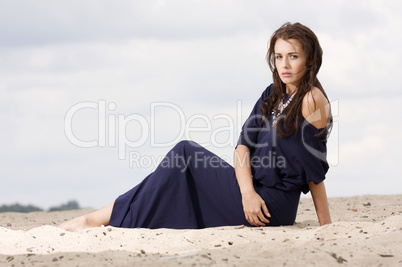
(191, 188)
(94, 219)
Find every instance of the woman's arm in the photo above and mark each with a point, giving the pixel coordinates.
(320, 200)
(253, 204)
(316, 110)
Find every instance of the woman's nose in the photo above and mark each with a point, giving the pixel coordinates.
(285, 63)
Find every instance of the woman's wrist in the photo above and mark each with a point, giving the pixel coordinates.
(324, 219)
(247, 191)
(325, 222)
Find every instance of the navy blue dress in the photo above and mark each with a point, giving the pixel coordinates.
(193, 188)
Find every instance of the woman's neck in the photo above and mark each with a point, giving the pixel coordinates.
(290, 89)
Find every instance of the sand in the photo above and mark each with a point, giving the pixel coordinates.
(366, 231)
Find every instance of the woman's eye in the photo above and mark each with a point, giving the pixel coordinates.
(294, 56)
(278, 57)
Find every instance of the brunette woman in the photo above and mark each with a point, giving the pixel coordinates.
(281, 153)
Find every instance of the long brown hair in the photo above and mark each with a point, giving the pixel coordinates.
(292, 116)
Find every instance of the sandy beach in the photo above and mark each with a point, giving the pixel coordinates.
(366, 231)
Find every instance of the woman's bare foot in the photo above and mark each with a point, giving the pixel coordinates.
(94, 219)
(77, 224)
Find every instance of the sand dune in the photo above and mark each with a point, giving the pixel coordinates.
(366, 231)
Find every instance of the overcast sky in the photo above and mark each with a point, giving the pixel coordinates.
(166, 66)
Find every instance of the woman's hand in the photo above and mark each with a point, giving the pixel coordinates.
(253, 205)
(254, 209)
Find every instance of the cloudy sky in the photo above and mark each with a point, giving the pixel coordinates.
(122, 77)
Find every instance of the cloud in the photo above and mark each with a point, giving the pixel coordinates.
(49, 22)
(368, 147)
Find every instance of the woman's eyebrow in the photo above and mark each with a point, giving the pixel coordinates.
(289, 53)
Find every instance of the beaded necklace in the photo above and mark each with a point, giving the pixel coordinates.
(276, 113)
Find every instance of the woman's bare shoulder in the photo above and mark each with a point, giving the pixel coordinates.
(315, 107)
(314, 97)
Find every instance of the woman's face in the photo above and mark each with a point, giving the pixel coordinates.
(290, 62)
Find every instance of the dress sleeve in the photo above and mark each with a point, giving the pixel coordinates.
(251, 127)
(314, 157)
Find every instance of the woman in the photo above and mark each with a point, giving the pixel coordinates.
(281, 152)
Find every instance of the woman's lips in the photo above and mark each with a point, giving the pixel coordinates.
(286, 74)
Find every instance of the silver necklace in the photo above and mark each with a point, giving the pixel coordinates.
(276, 113)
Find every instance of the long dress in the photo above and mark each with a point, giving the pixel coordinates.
(193, 188)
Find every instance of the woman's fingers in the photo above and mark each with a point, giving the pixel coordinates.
(265, 210)
(257, 219)
(256, 222)
(262, 218)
